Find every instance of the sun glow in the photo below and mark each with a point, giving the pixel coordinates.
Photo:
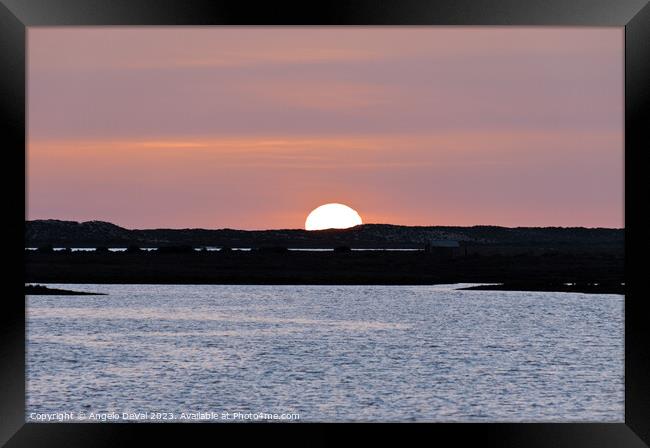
(332, 216)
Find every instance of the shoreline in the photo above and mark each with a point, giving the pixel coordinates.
(520, 288)
(41, 290)
(549, 272)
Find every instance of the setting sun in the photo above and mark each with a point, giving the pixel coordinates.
(332, 216)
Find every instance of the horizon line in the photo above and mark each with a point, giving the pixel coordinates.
(348, 228)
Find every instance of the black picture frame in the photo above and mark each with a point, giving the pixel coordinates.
(634, 15)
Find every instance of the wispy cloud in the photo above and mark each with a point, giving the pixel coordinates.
(237, 126)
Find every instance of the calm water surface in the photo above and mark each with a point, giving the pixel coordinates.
(327, 353)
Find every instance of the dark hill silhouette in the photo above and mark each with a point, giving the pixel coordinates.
(99, 233)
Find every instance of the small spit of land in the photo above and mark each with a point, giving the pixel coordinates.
(40, 290)
(587, 288)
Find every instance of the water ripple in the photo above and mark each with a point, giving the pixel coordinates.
(329, 353)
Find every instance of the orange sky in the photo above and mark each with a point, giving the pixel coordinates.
(252, 128)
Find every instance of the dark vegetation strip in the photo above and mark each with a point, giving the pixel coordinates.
(551, 270)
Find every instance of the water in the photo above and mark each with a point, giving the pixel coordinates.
(327, 353)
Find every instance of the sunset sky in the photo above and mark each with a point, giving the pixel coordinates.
(253, 127)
